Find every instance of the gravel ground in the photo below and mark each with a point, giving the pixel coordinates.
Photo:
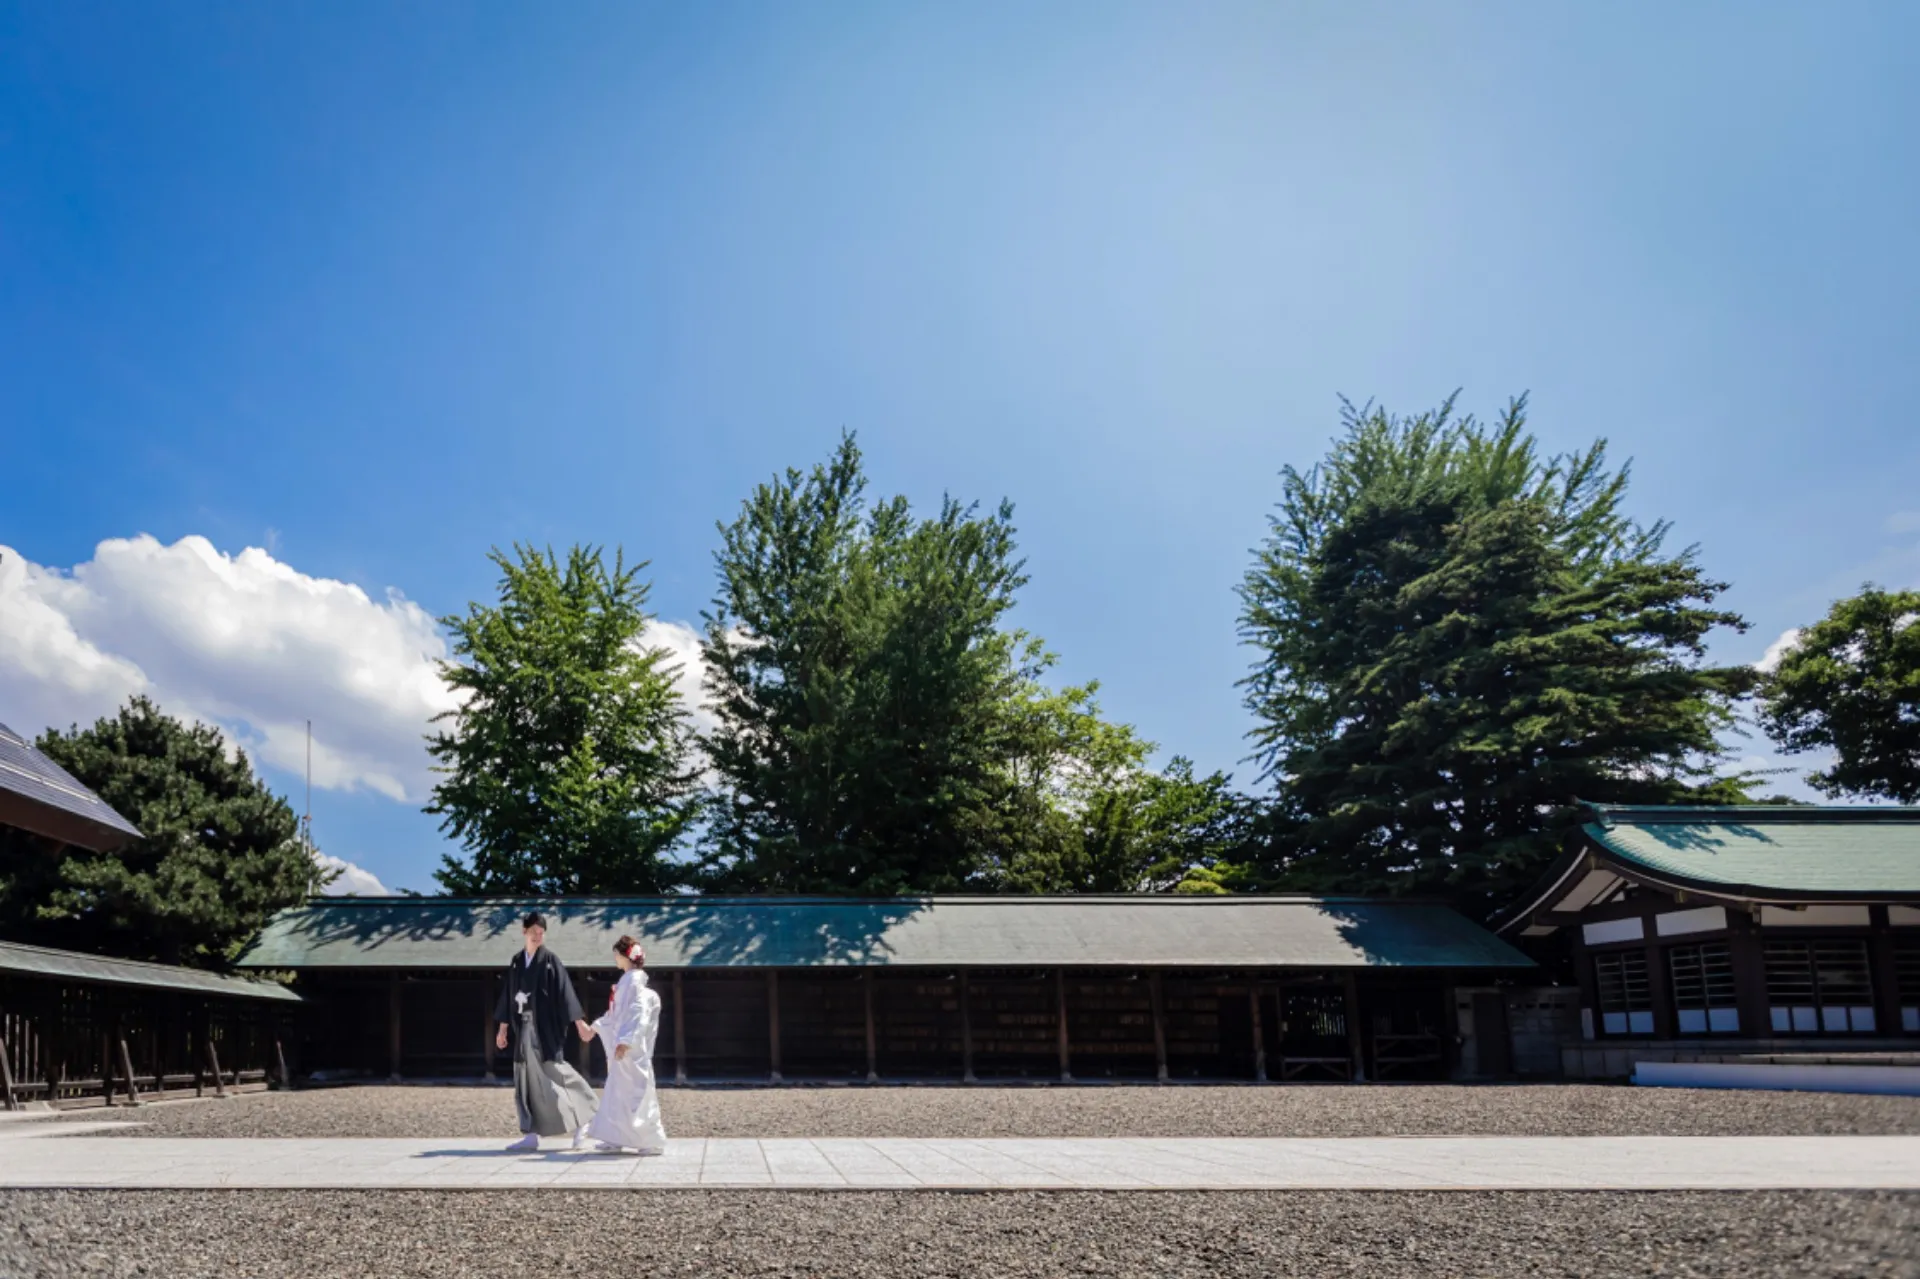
(884, 1235)
(1140, 1111)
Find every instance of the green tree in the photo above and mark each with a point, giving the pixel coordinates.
(1089, 816)
(862, 688)
(1850, 684)
(568, 765)
(1458, 639)
(221, 852)
(1144, 832)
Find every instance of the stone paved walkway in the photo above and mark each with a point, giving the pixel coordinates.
(60, 1154)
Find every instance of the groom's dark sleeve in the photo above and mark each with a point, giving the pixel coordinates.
(568, 993)
(503, 1007)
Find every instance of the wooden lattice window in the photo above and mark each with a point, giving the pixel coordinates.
(1906, 968)
(1626, 1000)
(1703, 990)
(1819, 987)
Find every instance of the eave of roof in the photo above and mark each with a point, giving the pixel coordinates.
(67, 965)
(1545, 891)
(39, 796)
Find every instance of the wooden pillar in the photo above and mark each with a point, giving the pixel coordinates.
(873, 1040)
(213, 1063)
(1159, 1026)
(60, 1046)
(1666, 1018)
(1884, 965)
(1259, 1039)
(6, 1077)
(679, 1029)
(197, 1035)
(773, 1024)
(1350, 987)
(393, 1027)
(280, 1060)
(167, 1040)
(966, 1028)
(126, 1067)
(492, 1030)
(1449, 1025)
(1060, 1015)
(1749, 962)
(106, 1064)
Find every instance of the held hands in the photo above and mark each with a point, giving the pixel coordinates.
(586, 1031)
(620, 1053)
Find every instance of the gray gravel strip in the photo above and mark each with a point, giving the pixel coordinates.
(919, 1235)
(1136, 1111)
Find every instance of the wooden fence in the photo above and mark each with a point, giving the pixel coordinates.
(65, 1041)
(884, 1024)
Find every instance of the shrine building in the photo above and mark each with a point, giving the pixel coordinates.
(1735, 932)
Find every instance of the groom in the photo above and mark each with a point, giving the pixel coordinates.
(538, 1001)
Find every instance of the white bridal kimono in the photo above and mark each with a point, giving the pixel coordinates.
(629, 1113)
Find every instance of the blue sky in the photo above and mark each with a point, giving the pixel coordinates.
(373, 288)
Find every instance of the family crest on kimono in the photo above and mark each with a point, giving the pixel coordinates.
(537, 1006)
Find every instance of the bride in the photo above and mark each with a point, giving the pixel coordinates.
(629, 1114)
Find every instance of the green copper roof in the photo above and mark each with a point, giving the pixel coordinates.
(66, 965)
(1861, 852)
(794, 932)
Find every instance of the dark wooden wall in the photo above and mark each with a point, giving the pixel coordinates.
(903, 1024)
(63, 1040)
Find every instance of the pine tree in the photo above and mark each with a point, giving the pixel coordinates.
(1457, 640)
(220, 854)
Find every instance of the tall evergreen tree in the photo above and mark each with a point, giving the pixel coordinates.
(1458, 639)
(567, 768)
(220, 854)
(861, 685)
(1850, 684)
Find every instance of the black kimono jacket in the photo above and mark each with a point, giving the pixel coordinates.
(551, 995)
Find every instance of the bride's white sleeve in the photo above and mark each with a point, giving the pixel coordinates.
(608, 1022)
(626, 1022)
(646, 1021)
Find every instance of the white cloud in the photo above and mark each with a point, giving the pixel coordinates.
(1904, 522)
(1777, 651)
(682, 643)
(48, 673)
(252, 645)
(353, 881)
(241, 641)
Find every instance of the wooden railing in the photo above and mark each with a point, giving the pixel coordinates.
(66, 1042)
